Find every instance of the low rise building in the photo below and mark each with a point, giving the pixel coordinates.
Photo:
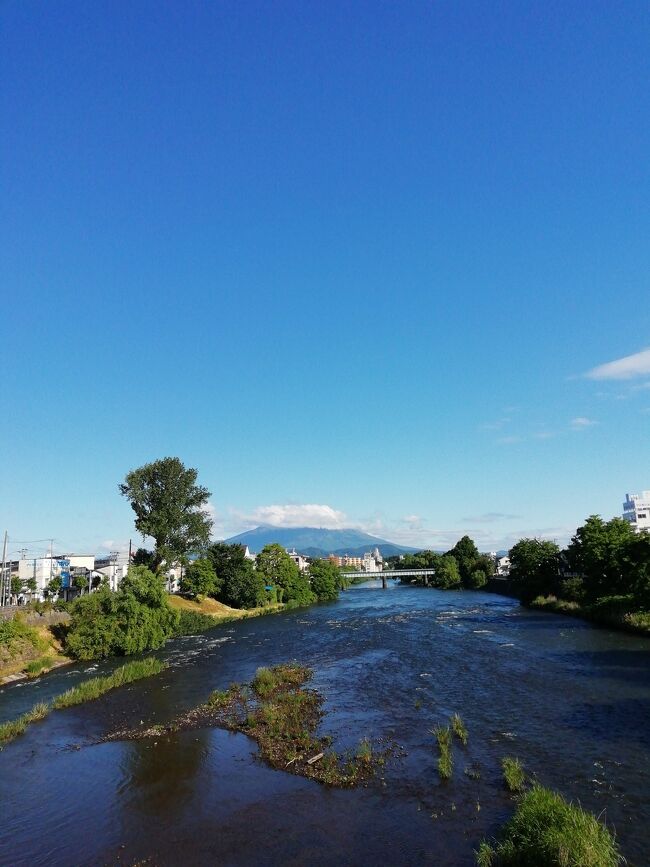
(301, 562)
(636, 510)
(503, 567)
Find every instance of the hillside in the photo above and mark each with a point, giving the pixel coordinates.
(318, 542)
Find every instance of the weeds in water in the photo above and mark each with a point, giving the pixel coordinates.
(546, 829)
(459, 729)
(513, 774)
(283, 717)
(88, 690)
(445, 759)
(473, 772)
(13, 728)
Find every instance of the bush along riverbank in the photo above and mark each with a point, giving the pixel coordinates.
(603, 575)
(617, 612)
(282, 715)
(87, 690)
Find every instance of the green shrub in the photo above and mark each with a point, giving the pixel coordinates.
(573, 589)
(34, 668)
(193, 622)
(200, 579)
(513, 774)
(133, 619)
(546, 830)
(12, 631)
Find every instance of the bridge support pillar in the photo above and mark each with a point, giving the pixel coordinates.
(384, 582)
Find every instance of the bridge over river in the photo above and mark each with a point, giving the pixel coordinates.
(425, 574)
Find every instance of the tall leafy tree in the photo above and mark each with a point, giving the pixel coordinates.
(240, 584)
(534, 567)
(466, 555)
(200, 579)
(279, 570)
(447, 573)
(325, 579)
(599, 552)
(170, 507)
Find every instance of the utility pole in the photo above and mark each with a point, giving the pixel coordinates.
(3, 583)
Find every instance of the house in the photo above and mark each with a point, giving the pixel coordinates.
(503, 567)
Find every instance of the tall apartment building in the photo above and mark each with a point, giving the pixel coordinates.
(636, 510)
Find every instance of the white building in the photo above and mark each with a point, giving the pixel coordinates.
(301, 562)
(43, 569)
(503, 566)
(636, 510)
(113, 566)
(373, 561)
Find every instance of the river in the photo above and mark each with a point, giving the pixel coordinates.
(570, 700)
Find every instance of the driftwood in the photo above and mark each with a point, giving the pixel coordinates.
(315, 758)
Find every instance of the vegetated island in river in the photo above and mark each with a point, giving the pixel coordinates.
(282, 715)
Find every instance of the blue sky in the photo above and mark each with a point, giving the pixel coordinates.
(351, 260)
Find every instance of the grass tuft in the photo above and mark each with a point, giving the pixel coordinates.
(34, 668)
(443, 736)
(13, 728)
(513, 774)
(459, 729)
(545, 830)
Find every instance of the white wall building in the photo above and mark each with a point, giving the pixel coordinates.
(503, 566)
(43, 569)
(301, 562)
(113, 566)
(373, 561)
(636, 510)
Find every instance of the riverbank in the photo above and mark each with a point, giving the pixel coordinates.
(613, 612)
(28, 647)
(32, 648)
(218, 611)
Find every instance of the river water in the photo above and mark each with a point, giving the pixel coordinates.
(570, 700)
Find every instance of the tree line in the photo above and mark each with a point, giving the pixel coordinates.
(605, 560)
(462, 566)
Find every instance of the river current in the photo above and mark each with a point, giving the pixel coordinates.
(570, 700)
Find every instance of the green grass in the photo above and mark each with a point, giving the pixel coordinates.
(513, 774)
(87, 690)
(443, 736)
(546, 830)
(34, 668)
(459, 728)
(618, 612)
(13, 728)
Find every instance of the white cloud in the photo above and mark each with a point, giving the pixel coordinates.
(491, 517)
(495, 425)
(623, 368)
(297, 515)
(581, 422)
(509, 441)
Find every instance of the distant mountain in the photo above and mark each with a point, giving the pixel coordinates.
(317, 542)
